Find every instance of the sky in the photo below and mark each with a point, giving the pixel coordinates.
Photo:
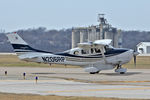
(60, 14)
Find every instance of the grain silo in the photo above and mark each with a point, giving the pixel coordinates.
(97, 32)
(75, 37)
(83, 35)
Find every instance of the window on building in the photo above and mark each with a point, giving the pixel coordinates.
(148, 49)
(141, 49)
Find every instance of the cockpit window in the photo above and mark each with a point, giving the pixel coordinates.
(108, 47)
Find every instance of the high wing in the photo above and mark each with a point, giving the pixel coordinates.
(97, 43)
(85, 45)
(102, 42)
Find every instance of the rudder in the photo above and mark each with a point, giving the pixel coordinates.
(19, 45)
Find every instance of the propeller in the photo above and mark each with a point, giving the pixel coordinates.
(135, 53)
(134, 56)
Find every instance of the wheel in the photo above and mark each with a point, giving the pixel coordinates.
(94, 72)
(122, 72)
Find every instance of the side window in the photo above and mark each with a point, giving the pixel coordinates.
(92, 50)
(97, 50)
(76, 52)
(84, 51)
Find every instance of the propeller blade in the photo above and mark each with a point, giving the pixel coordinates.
(135, 53)
(135, 61)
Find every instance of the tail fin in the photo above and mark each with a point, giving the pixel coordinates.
(19, 45)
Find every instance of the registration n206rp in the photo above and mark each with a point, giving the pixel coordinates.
(53, 59)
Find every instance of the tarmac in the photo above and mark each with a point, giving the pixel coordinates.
(75, 82)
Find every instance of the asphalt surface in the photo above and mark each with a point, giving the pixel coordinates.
(75, 82)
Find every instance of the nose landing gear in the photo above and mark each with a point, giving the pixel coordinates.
(120, 70)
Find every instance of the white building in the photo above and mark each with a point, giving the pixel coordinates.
(143, 47)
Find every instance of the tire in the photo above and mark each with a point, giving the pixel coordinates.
(94, 72)
(122, 72)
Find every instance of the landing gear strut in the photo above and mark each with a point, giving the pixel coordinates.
(120, 70)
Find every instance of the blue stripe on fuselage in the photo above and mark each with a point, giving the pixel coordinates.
(22, 47)
(108, 53)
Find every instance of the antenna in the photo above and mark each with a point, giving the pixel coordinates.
(101, 19)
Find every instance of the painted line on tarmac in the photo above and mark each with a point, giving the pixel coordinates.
(93, 90)
(32, 80)
(103, 82)
(127, 81)
(107, 82)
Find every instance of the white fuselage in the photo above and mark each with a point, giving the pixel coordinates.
(110, 63)
(93, 56)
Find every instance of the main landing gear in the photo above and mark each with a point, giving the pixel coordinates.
(94, 72)
(120, 70)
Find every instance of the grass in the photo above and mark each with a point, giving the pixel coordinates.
(13, 61)
(8, 96)
(143, 62)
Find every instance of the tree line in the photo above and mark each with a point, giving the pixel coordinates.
(60, 40)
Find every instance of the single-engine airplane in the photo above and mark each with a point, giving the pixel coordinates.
(93, 56)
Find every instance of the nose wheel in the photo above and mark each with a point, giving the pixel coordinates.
(120, 70)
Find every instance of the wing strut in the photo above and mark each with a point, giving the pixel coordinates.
(102, 51)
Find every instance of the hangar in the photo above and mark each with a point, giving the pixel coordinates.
(143, 47)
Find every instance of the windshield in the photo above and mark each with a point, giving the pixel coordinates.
(108, 47)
